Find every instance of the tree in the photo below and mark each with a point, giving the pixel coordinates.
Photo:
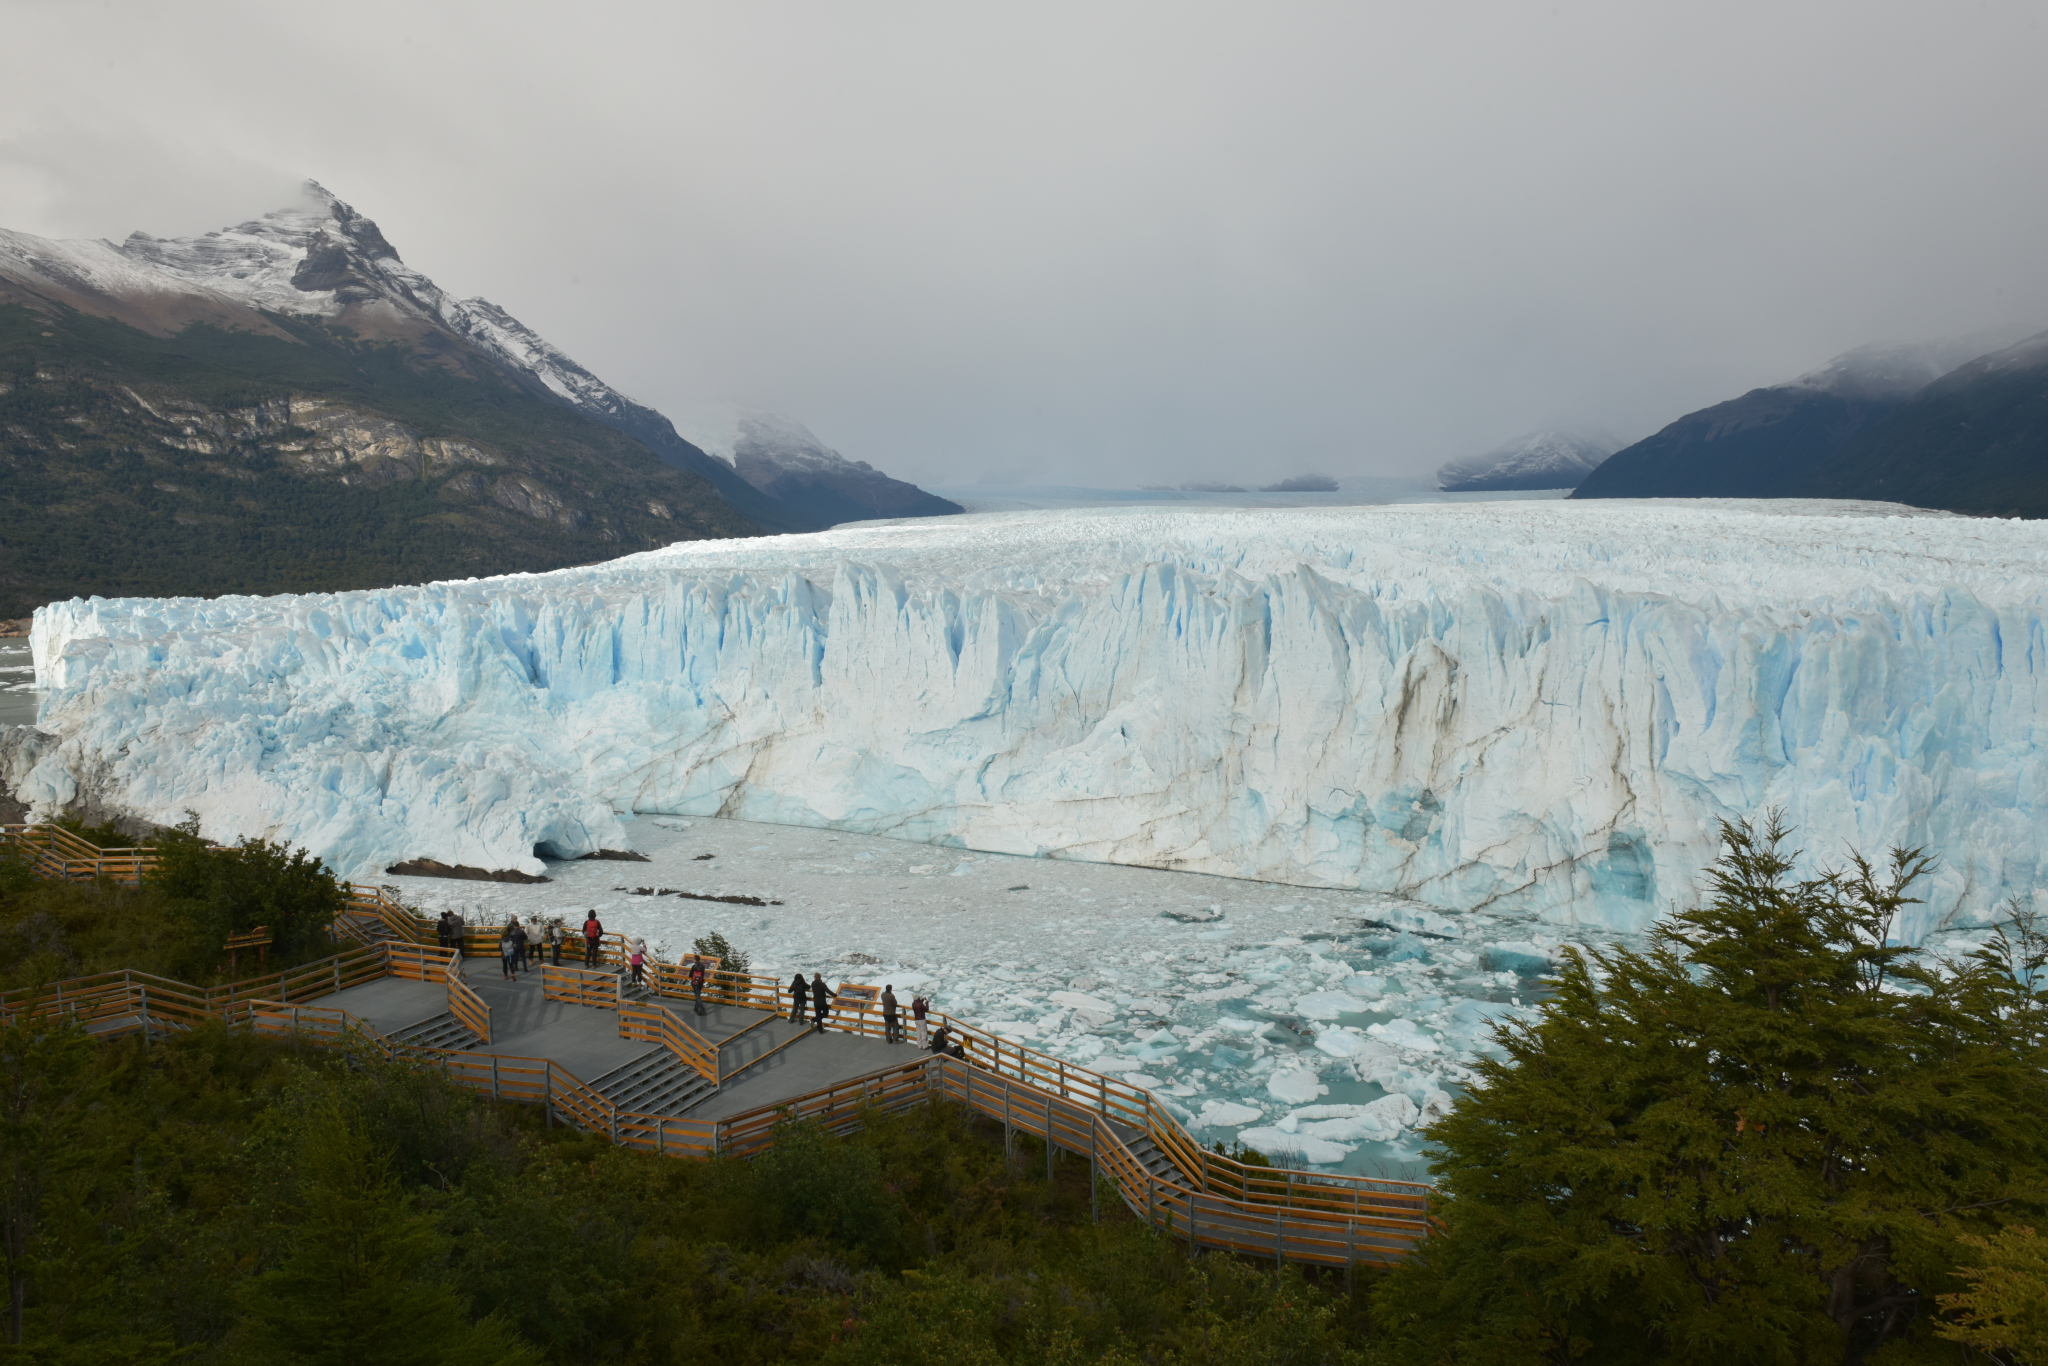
(222, 892)
(360, 1282)
(48, 1084)
(1761, 1139)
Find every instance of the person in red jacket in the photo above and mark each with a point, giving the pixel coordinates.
(593, 935)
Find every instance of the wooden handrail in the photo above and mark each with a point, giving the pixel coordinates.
(653, 1022)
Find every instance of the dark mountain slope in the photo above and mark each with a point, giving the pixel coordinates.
(783, 460)
(1975, 440)
(1757, 446)
(300, 458)
(1766, 443)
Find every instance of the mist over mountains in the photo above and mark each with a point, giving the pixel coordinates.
(287, 406)
(1960, 425)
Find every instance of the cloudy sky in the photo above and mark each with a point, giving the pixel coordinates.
(1105, 242)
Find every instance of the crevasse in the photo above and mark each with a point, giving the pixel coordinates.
(1536, 707)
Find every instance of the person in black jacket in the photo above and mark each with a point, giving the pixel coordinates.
(821, 1001)
(799, 998)
(892, 1023)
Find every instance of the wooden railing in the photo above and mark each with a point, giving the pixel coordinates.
(653, 1022)
(421, 962)
(470, 1009)
(128, 1001)
(580, 987)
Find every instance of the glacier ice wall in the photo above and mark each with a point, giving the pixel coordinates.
(1533, 706)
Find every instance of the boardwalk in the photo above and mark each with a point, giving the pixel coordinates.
(641, 1067)
(763, 1057)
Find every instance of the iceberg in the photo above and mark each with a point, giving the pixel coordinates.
(1533, 709)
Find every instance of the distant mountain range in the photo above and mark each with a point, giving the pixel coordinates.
(1536, 460)
(1960, 425)
(286, 405)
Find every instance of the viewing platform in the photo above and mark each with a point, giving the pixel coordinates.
(637, 1064)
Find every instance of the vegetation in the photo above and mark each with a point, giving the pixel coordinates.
(135, 465)
(237, 1199)
(177, 923)
(1774, 1136)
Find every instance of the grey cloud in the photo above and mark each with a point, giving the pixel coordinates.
(1132, 242)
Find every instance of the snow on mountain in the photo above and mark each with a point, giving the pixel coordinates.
(1536, 460)
(783, 460)
(321, 258)
(1535, 707)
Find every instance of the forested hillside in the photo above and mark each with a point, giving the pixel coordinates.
(223, 461)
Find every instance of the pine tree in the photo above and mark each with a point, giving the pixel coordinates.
(1759, 1140)
(360, 1283)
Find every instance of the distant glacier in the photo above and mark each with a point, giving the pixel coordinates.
(1541, 708)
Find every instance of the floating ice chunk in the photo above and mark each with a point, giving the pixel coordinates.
(1435, 1106)
(1276, 1143)
(1366, 986)
(1242, 1025)
(961, 869)
(1340, 1042)
(1325, 1005)
(1296, 1085)
(1521, 957)
(1380, 1121)
(1403, 1033)
(1224, 993)
(1091, 1012)
(1419, 918)
(1226, 1114)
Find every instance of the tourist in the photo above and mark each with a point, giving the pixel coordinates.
(506, 950)
(552, 937)
(919, 1007)
(821, 1001)
(799, 998)
(939, 1040)
(892, 1028)
(638, 960)
(958, 1050)
(697, 982)
(518, 933)
(593, 935)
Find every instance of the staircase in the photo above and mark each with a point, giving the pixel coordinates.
(656, 1083)
(1151, 1156)
(442, 1031)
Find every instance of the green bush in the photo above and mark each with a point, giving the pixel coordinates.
(257, 884)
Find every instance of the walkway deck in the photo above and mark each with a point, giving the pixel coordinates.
(585, 1039)
(581, 1038)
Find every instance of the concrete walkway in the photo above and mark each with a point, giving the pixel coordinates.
(585, 1039)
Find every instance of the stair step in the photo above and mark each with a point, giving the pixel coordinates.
(442, 1031)
(656, 1083)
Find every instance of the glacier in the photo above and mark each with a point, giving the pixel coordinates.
(1531, 708)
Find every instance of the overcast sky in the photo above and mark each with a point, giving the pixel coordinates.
(1105, 242)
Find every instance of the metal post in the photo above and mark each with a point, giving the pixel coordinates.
(145, 1014)
(1279, 1237)
(1006, 1119)
(494, 1076)
(1048, 1140)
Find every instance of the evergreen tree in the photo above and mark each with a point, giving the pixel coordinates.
(1762, 1139)
(360, 1282)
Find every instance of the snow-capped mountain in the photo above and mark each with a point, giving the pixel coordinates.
(784, 460)
(1535, 460)
(321, 259)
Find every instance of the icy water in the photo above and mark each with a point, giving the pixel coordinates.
(18, 695)
(1289, 1018)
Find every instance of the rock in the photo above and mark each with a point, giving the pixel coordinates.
(426, 867)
